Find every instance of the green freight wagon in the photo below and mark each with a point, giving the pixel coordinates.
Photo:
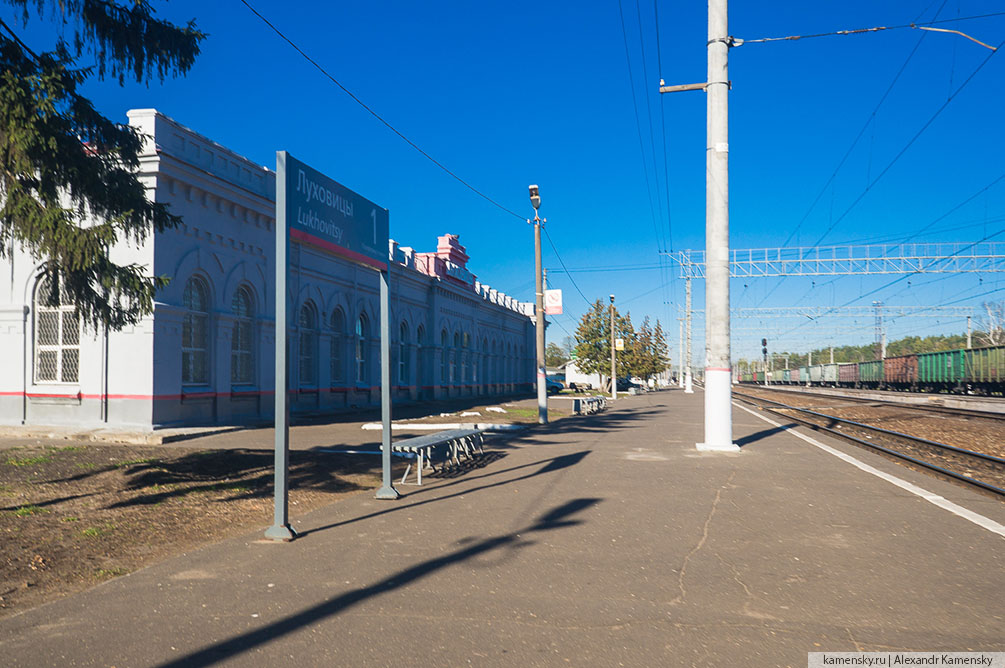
(985, 369)
(943, 370)
(870, 374)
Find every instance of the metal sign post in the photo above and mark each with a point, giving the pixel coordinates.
(316, 210)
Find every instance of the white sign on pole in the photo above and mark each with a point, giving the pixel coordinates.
(553, 302)
(619, 344)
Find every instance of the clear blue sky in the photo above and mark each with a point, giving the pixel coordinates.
(511, 93)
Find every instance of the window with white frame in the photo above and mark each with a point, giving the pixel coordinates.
(242, 359)
(195, 333)
(362, 331)
(338, 345)
(307, 322)
(57, 336)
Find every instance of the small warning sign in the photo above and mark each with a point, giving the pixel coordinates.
(553, 302)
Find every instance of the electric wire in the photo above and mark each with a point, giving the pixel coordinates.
(910, 143)
(373, 113)
(562, 262)
(861, 132)
(857, 31)
(638, 122)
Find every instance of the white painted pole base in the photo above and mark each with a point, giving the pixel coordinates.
(688, 389)
(718, 412)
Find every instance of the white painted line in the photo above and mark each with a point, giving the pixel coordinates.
(935, 499)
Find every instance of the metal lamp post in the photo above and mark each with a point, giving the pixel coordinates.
(542, 388)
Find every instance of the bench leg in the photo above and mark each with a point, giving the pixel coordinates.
(407, 469)
(418, 469)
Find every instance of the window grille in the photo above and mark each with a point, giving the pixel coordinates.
(242, 368)
(57, 337)
(195, 333)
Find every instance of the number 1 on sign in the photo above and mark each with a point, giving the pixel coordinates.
(373, 215)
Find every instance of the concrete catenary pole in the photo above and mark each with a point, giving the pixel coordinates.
(614, 359)
(969, 331)
(809, 363)
(718, 393)
(680, 357)
(687, 362)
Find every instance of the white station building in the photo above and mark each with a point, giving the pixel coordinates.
(206, 353)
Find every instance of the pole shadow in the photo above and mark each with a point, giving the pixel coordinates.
(557, 518)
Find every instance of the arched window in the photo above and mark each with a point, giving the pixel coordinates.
(338, 345)
(453, 357)
(444, 353)
(57, 336)
(362, 331)
(465, 356)
(307, 322)
(485, 361)
(195, 333)
(242, 358)
(403, 366)
(420, 363)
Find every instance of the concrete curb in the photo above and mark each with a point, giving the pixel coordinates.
(426, 426)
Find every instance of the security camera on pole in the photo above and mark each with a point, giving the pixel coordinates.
(542, 388)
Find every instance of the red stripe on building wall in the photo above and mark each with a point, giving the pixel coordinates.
(300, 235)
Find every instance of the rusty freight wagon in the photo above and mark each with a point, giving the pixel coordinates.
(848, 375)
(900, 373)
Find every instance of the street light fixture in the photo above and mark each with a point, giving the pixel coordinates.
(542, 372)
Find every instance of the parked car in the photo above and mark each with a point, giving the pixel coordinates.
(553, 386)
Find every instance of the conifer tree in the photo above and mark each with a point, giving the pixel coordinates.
(68, 183)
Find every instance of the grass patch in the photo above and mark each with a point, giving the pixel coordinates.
(29, 461)
(136, 462)
(24, 511)
(108, 573)
(87, 466)
(69, 448)
(70, 519)
(94, 532)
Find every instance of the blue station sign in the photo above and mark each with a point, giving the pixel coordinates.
(324, 213)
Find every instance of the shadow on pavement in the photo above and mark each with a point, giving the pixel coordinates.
(550, 465)
(764, 433)
(557, 518)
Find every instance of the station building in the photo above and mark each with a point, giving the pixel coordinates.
(206, 353)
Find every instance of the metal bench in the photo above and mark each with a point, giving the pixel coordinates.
(589, 405)
(453, 442)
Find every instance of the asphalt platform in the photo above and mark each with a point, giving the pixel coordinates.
(606, 540)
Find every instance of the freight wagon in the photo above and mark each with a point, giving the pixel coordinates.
(900, 373)
(942, 370)
(985, 369)
(870, 374)
(848, 375)
(972, 371)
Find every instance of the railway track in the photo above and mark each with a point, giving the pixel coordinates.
(984, 471)
(896, 400)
